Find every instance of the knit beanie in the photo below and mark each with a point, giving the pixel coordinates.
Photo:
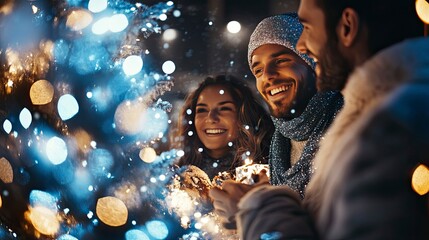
(283, 30)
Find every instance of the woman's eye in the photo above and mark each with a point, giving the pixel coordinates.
(201, 110)
(226, 109)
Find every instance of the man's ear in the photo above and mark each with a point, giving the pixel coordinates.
(348, 27)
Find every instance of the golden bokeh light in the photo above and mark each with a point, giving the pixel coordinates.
(6, 7)
(147, 155)
(78, 19)
(420, 180)
(41, 92)
(129, 116)
(422, 8)
(83, 140)
(1, 202)
(112, 211)
(6, 171)
(44, 220)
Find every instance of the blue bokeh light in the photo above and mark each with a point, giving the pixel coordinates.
(44, 199)
(155, 123)
(17, 27)
(25, 118)
(96, 6)
(100, 161)
(67, 107)
(64, 172)
(66, 237)
(7, 126)
(135, 234)
(89, 56)
(101, 97)
(157, 229)
(61, 51)
(132, 65)
(79, 187)
(101, 26)
(56, 150)
(118, 23)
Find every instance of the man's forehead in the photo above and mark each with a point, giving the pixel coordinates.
(305, 10)
(272, 49)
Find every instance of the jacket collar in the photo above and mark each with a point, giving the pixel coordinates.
(387, 70)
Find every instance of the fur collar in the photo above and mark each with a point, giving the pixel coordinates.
(366, 88)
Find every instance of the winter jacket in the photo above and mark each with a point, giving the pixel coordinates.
(361, 188)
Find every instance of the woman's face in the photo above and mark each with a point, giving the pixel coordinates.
(216, 120)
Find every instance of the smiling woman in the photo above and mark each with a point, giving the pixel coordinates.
(221, 125)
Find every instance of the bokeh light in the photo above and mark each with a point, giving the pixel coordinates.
(56, 150)
(17, 27)
(422, 8)
(40, 198)
(233, 27)
(101, 97)
(101, 26)
(177, 13)
(67, 107)
(61, 51)
(118, 23)
(25, 118)
(168, 67)
(132, 65)
(64, 172)
(41, 92)
(154, 123)
(157, 229)
(112, 211)
(7, 126)
(83, 140)
(67, 237)
(44, 220)
(147, 155)
(170, 34)
(420, 180)
(89, 56)
(78, 19)
(7, 7)
(6, 171)
(163, 17)
(129, 116)
(100, 162)
(96, 6)
(135, 234)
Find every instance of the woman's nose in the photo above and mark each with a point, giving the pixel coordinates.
(213, 116)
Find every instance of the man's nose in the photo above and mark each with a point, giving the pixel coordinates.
(270, 72)
(300, 45)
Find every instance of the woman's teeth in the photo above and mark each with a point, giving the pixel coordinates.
(215, 131)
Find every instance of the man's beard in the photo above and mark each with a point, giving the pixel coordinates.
(334, 69)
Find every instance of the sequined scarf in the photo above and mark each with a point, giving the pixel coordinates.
(310, 126)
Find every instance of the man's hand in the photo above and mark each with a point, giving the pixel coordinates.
(225, 200)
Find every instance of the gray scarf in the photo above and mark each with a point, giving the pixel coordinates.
(310, 125)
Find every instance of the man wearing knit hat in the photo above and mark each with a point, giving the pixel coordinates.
(286, 80)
